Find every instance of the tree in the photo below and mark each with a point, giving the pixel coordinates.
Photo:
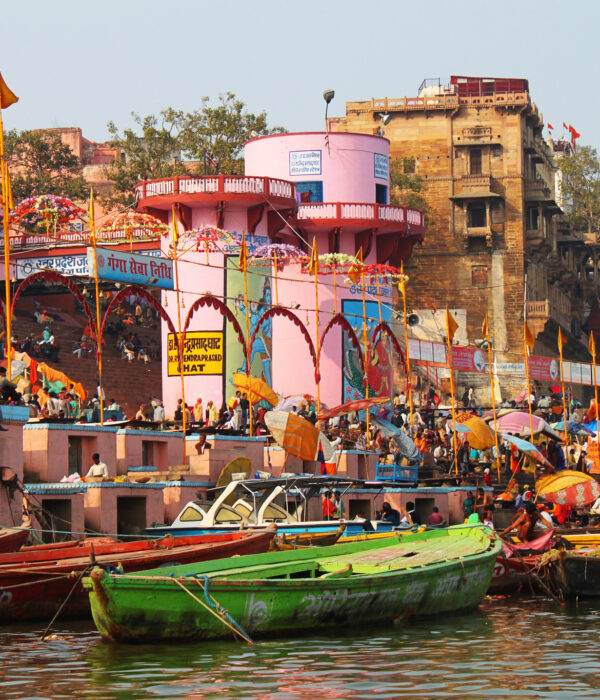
(40, 163)
(153, 153)
(204, 141)
(215, 136)
(406, 186)
(580, 188)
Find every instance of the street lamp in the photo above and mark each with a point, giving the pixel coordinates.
(328, 95)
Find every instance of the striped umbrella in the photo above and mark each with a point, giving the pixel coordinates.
(349, 406)
(578, 495)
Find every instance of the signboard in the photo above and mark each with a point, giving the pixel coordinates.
(384, 289)
(65, 264)
(543, 368)
(305, 162)
(202, 353)
(131, 268)
(468, 359)
(382, 166)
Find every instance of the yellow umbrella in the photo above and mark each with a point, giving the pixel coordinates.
(255, 388)
(298, 436)
(480, 437)
(551, 483)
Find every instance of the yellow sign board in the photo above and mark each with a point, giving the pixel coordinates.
(202, 353)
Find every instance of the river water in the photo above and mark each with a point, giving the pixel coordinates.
(520, 648)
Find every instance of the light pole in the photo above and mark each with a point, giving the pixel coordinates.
(328, 95)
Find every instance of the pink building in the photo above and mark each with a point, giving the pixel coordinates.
(330, 188)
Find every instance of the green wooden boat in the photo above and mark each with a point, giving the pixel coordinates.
(376, 581)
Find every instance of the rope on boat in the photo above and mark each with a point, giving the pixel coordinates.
(214, 608)
(66, 600)
(33, 583)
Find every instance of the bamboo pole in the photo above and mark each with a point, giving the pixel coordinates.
(275, 263)
(335, 304)
(92, 224)
(180, 344)
(454, 439)
(316, 276)
(593, 347)
(407, 351)
(366, 349)
(562, 384)
(526, 350)
(244, 255)
(7, 299)
(489, 347)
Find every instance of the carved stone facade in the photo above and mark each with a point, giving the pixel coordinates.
(494, 225)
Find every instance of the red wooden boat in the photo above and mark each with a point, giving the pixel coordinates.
(12, 538)
(514, 567)
(34, 588)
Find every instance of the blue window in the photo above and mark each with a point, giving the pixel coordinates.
(381, 194)
(309, 191)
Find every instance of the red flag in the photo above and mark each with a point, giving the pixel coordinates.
(550, 127)
(574, 134)
(566, 127)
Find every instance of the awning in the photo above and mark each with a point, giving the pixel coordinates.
(487, 194)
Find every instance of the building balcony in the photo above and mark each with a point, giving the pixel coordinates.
(359, 215)
(540, 312)
(474, 187)
(538, 191)
(201, 189)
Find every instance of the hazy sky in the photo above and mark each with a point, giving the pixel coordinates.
(82, 63)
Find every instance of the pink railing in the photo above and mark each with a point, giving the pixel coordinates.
(215, 184)
(358, 211)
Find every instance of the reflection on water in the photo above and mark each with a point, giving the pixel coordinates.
(518, 648)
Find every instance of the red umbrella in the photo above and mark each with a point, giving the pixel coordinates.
(578, 495)
(349, 406)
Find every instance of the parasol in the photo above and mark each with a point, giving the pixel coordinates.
(568, 488)
(404, 443)
(298, 436)
(255, 388)
(574, 428)
(481, 437)
(518, 422)
(287, 403)
(349, 406)
(123, 225)
(527, 447)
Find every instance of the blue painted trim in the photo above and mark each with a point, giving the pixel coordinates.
(73, 427)
(142, 431)
(241, 438)
(14, 413)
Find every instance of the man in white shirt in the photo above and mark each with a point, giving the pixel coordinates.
(98, 468)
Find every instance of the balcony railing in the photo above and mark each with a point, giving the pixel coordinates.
(446, 101)
(341, 211)
(216, 184)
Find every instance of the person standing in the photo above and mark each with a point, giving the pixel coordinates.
(245, 408)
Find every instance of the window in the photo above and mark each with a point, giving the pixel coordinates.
(190, 514)
(309, 191)
(381, 194)
(475, 161)
(274, 512)
(227, 515)
(479, 276)
(476, 216)
(533, 219)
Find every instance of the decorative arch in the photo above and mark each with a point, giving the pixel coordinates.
(141, 292)
(213, 302)
(53, 276)
(280, 311)
(342, 321)
(383, 326)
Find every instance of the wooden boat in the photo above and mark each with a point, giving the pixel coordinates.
(515, 568)
(377, 581)
(35, 587)
(575, 573)
(12, 538)
(306, 539)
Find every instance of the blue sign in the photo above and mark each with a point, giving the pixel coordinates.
(131, 268)
(382, 166)
(305, 163)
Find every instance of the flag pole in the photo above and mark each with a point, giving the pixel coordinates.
(7, 301)
(402, 287)
(449, 340)
(92, 224)
(315, 255)
(366, 347)
(526, 349)
(562, 383)
(244, 261)
(489, 348)
(275, 263)
(180, 344)
(593, 353)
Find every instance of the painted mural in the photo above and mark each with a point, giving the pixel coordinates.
(259, 297)
(380, 370)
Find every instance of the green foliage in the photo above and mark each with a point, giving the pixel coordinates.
(161, 144)
(580, 188)
(40, 163)
(406, 187)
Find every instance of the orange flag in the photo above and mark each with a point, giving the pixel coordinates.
(355, 270)
(561, 341)
(243, 260)
(529, 338)
(451, 325)
(7, 96)
(313, 266)
(592, 345)
(485, 331)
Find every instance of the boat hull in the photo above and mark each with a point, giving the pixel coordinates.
(35, 590)
(11, 540)
(146, 608)
(576, 574)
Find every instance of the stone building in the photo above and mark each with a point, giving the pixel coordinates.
(498, 242)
